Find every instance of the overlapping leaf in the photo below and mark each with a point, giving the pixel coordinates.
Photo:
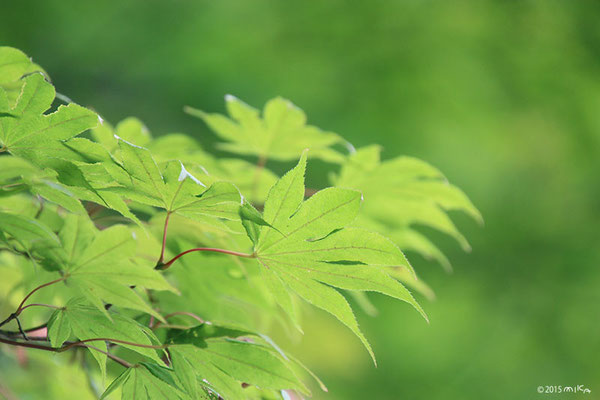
(100, 265)
(281, 133)
(252, 180)
(14, 65)
(148, 381)
(24, 128)
(223, 358)
(27, 234)
(312, 250)
(404, 192)
(220, 289)
(48, 141)
(130, 129)
(79, 319)
(173, 189)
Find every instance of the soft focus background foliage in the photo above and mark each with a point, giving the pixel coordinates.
(503, 97)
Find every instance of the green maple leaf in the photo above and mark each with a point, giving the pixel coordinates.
(14, 65)
(148, 381)
(320, 250)
(281, 133)
(48, 141)
(130, 129)
(101, 265)
(252, 180)
(224, 361)
(312, 251)
(18, 172)
(24, 128)
(173, 189)
(83, 321)
(31, 235)
(411, 185)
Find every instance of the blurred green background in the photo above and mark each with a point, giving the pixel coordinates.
(503, 96)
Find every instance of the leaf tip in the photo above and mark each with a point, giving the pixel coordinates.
(350, 147)
(192, 111)
(480, 220)
(373, 358)
(185, 174)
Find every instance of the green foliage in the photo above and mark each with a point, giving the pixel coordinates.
(280, 134)
(173, 263)
(411, 185)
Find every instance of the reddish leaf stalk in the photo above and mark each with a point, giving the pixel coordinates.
(21, 308)
(163, 266)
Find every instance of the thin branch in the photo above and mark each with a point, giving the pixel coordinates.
(163, 266)
(14, 333)
(72, 345)
(30, 338)
(28, 345)
(21, 329)
(80, 342)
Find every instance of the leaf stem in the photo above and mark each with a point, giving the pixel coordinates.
(40, 305)
(163, 266)
(164, 239)
(111, 356)
(21, 308)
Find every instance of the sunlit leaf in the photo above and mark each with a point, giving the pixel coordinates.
(312, 249)
(280, 133)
